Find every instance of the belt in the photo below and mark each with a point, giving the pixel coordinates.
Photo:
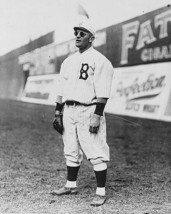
(75, 103)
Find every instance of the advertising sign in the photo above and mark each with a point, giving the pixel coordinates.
(41, 89)
(141, 91)
(141, 40)
(39, 61)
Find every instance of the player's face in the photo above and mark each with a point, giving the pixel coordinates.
(82, 40)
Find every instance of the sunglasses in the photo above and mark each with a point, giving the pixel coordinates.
(82, 34)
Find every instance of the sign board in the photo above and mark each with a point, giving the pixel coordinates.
(141, 40)
(142, 91)
(40, 61)
(41, 89)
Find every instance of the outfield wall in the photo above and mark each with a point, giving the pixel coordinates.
(139, 91)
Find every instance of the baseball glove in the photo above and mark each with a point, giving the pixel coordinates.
(58, 123)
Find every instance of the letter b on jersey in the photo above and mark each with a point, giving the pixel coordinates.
(83, 71)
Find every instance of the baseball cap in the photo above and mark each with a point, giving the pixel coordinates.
(85, 25)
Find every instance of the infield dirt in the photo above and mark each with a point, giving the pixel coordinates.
(32, 165)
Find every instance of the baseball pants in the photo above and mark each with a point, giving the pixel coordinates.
(77, 138)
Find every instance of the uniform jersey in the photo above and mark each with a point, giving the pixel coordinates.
(85, 76)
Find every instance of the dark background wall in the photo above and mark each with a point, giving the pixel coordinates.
(12, 77)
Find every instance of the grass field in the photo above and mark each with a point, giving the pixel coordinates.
(32, 164)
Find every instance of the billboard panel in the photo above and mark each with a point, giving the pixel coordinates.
(141, 91)
(141, 40)
(41, 89)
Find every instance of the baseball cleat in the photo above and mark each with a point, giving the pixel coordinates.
(65, 191)
(98, 200)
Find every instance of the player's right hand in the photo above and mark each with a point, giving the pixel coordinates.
(94, 123)
(58, 123)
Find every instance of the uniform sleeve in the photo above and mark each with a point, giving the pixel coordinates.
(103, 79)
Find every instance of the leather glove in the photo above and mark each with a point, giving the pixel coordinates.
(94, 123)
(58, 123)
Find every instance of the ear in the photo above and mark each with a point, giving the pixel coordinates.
(91, 39)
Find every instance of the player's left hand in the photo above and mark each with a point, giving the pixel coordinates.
(94, 123)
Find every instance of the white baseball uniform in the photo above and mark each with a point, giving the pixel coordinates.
(84, 77)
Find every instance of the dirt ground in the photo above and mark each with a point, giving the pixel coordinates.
(32, 164)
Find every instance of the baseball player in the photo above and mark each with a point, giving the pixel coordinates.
(84, 88)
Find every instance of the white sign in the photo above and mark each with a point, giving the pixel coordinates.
(141, 91)
(41, 89)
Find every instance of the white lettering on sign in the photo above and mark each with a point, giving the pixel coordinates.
(162, 21)
(144, 32)
(128, 39)
(145, 35)
(156, 53)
